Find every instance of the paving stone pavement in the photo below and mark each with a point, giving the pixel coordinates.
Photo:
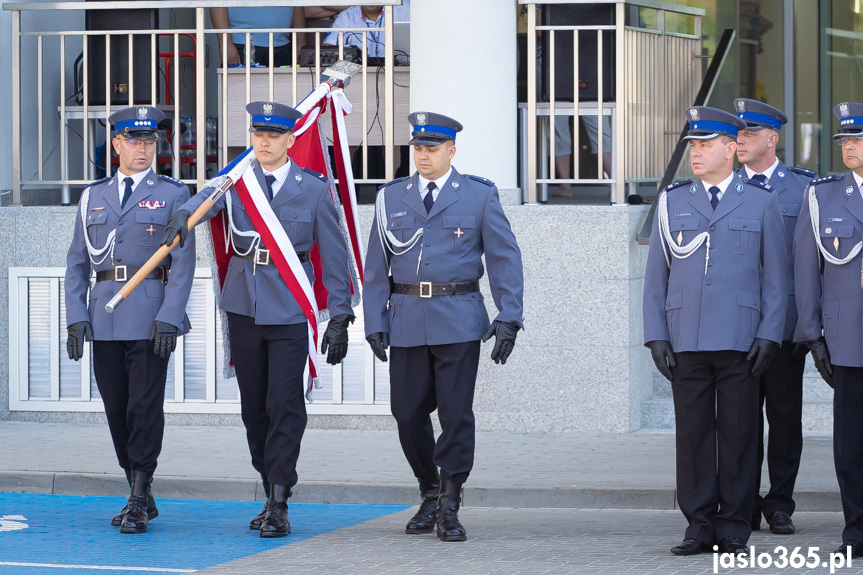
(508, 541)
(583, 470)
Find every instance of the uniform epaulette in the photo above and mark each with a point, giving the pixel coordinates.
(670, 187)
(172, 180)
(317, 175)
(479, 179)
(105, 179)
(827, 179)
(393, 182)
(764, 185)
(804, 172)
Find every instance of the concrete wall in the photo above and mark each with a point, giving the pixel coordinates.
(579, 366)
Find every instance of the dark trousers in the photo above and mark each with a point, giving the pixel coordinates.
(270, 360)
(431, 377)
(781, 393)
(281, 55)
(848, 446)
(131, 380)
(716, 411)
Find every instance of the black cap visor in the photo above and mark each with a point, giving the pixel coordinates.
(272, 128)
(428, 139)
(145, 134)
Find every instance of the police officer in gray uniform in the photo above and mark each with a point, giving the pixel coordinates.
(715, 292)
(267, 329)
(422, 297)
(829, 282)
(781, 386)
(120, 220)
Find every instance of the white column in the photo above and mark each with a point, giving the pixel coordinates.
(463, 65)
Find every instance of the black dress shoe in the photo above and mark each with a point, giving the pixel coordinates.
(136, 517)
(276, 523)
(733, 545)
(425, 518)
(152, 512)
(780, 523)
(449, 528)
(255, 522)
(856, 548)
(690, 547)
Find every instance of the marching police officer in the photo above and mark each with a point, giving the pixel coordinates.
(422, 297)
(268, 330)
(829, 278)
(781, 386)
(715, 292)
(120, 220)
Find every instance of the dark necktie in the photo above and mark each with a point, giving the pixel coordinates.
(270, 179)
(714, 196)
(127, 192)
(761, 178)
(428, 201)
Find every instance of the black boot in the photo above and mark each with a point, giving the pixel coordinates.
(152, 512)
(255, 522)
(448, 526)
(277, 523)
(135, 520)
(424, 520)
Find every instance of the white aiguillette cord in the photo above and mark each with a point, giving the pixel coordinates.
(392, 244)
(680, 252)
(108, 248)
(815, 217)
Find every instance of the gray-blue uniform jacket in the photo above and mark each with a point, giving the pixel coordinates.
(838, 305)
(742, 295)
(789, 184)
(139, 227)
(307, 214)
(467, 204)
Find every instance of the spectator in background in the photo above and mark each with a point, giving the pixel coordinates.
(321, 16)
(257, 18)
(367, 17)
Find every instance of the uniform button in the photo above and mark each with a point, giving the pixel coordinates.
(744, 226)
(707, 282)
(711, 247)
(120, 223)
(710, 264)
(119, 259)
(784, 211)
(712, 228)
(427, 262)
(428, 226)
(152, 219)
(119, 241)
(398, 225)
(295, 215)
(459, 222)
(428, 244)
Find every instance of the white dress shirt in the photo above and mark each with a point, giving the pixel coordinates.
(768, 173)
(281, 174)
(424, 185)
(353, 17)
(723, 185)
(136, 179)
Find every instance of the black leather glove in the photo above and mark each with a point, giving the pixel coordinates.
(821, 356)
(78, 333)
(663, 357)
(336, 338)
(164, 336)
(379, 343)
(504, 333)
(762, 351)
(800, 350)
(178, 225)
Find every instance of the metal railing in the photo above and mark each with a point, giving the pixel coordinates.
(55, 51)
(655, 73)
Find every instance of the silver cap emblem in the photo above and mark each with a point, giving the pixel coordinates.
(693, 114)
(143, 113)
(844, 111)
(268, 109)
(421, 119)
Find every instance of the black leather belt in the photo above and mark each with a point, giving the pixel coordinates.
(123, 273)
(262, 257)
(429, 289)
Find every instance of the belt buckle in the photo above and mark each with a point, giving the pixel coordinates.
(425, 286)
(262, 257)
(120, 274)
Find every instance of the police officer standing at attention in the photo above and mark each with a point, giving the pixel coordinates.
(781, 386)
(715, 292)
(120, 220)
(268, 331)
(829, 282)
(422, 297)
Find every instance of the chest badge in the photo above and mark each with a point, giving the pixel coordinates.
(680, 238)
(458, 233)
(849, 190)
(836, 244)
(151, 229)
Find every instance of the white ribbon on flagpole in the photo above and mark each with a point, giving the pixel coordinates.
(343, 106)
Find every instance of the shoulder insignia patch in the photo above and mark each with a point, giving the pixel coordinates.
(172, 180)
(764, 185)
(397, 180)
(827, 179)
(804, 172)
(317, 175)
(479, 179)
(670, 187)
